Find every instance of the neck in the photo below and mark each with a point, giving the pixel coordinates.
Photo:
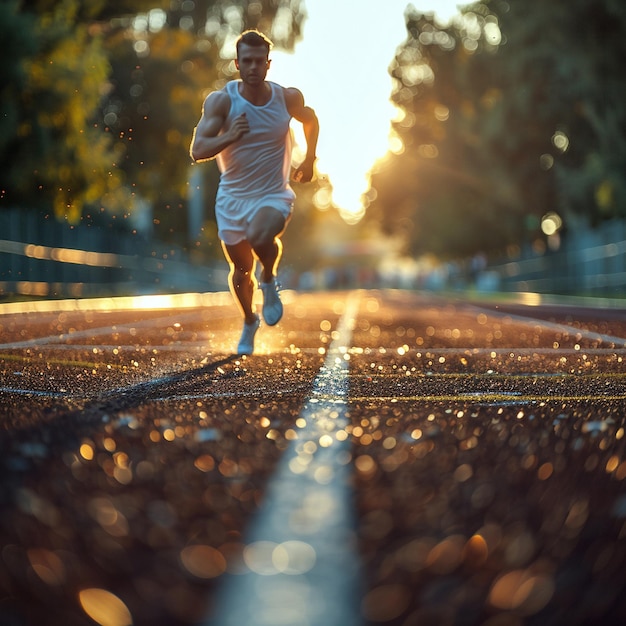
(256, 94)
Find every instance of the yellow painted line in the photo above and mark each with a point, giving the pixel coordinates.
(487, 397)
(399, 375)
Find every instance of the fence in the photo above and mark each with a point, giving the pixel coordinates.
(590, 262)
(46, 258)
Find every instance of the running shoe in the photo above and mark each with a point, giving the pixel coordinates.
(272, 306)
(246, 343)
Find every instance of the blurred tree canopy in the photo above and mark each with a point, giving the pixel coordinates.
(99, 99)
(512, 110)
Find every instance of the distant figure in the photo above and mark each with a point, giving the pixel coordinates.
(245, 127)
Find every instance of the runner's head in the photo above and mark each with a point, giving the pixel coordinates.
(253, 57)
(254, 39)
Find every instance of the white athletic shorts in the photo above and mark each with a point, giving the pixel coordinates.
(234, 214)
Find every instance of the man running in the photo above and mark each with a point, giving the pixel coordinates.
(245, 127)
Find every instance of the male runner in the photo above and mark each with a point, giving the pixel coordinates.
(245, 127)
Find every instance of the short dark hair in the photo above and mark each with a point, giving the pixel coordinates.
(254, 38)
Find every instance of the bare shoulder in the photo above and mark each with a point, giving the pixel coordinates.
(294, 100)
(293, 97)
(217, 103)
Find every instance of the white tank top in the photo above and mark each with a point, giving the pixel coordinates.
(260, 162)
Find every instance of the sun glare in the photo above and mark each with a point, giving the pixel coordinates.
(342, 67)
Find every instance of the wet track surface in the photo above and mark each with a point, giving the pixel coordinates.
(483, 447)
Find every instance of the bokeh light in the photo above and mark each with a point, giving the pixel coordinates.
(551, 223)
(105, 608)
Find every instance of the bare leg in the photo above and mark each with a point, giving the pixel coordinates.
(241, 279)
(263, 234)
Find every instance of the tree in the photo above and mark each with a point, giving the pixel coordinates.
(512, 110)
(100, 98)
(49, 150)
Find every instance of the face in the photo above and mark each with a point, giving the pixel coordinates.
(252, 63)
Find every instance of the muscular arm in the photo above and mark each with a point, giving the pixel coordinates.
(310, 125)
(210, 136)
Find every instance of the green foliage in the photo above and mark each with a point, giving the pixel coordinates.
(17, 47)
(99, 99)
(52, 157)
(513, 110)
(160, 77)
(150, 111)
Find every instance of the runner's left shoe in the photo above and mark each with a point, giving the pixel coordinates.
(246, 343)
(272, 306)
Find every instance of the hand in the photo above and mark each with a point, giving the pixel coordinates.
(239, 127)
(304, 172)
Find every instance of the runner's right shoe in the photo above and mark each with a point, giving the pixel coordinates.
(246, 343)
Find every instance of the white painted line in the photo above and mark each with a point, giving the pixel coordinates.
(301, 566)
(92, 333)
(34, 392)
(571, 331)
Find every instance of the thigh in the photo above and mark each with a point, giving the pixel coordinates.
(240, 256)
(267, 223)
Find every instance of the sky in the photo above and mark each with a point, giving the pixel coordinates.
(341, 65)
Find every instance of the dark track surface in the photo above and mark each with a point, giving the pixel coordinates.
(487, 441)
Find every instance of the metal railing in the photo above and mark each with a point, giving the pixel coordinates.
(44, 259)
(589, 262)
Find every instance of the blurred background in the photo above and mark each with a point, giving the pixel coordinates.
(479, 149)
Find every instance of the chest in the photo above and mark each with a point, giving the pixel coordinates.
(268, 122)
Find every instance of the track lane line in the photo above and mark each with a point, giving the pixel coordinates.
(90, 333)
(571, 331)
(301, 566)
